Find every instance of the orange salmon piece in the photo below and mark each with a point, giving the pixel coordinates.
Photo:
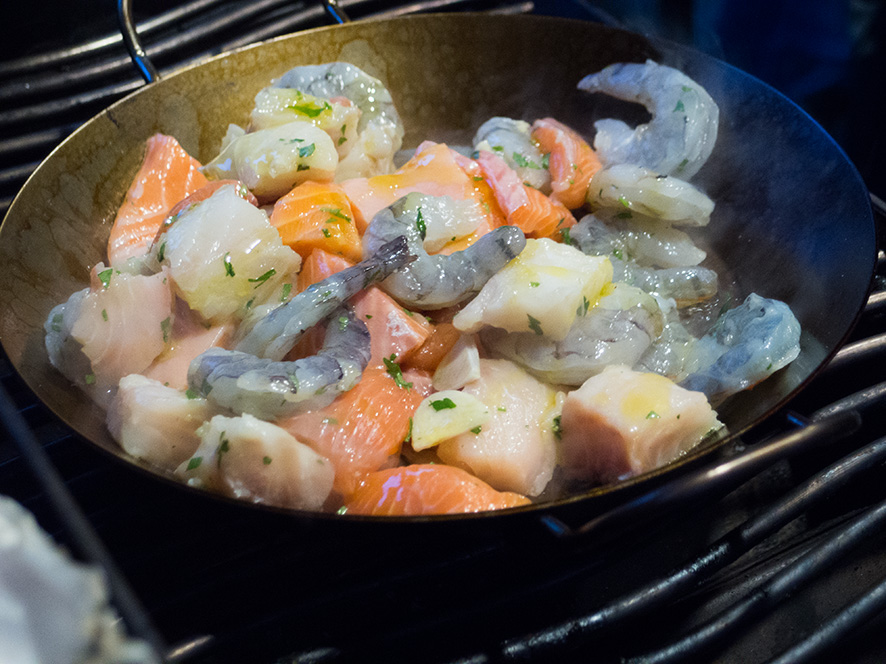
(318, 265)
(317, 215)
(187, 339)
(392, 329)
(422, 489)
(167, 175)
(434, 171)
(572, 161)
(435, 348)
(363, 428)
(527, 208)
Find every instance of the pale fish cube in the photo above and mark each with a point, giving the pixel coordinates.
(250, 459)
(224, 256)
(542, 291)
(516, 450)
(446, 414)
(622, 423)
(156, 423)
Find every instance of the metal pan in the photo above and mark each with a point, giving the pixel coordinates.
(793, 218)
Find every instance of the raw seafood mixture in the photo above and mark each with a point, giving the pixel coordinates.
(304, 324)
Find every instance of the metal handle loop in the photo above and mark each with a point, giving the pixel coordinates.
(130, 37)
(140, 58)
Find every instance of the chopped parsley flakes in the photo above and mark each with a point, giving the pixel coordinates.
(229, 268)
(443, 404)
(258, 281)
(535, 325)
(395, 372)
(105, 276)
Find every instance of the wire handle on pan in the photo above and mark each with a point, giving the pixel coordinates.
(140, 58)
(130, 37)
(336, 11)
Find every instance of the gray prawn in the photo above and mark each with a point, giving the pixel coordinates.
(342, 79)
(275, 334)
(687, 284)
(268, 389)
(681, 134)
(438, 281)
(619, 330)
(745, 346)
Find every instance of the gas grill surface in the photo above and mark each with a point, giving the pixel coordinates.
(734, 573)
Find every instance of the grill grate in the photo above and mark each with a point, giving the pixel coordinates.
(228, 585)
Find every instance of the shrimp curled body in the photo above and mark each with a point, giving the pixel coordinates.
(270, 390)
(681, 134)
(438, 281)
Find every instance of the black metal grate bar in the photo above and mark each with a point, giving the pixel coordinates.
(720, 554)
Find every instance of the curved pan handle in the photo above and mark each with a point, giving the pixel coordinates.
(140, 58)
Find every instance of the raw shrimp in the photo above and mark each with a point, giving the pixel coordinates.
(616, 331)
(511, 140)
(270, 390)
(637, 192)
(380, 130)
(745, 346)
(652, 245)
(275, 334)
(681, 134)
(341, 79)
(435, 282)
(687, 284)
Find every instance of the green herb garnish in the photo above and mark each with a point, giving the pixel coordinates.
(229, 268)
(165, 326)
(105, 276)
(258, 281)
(535, 325)
(443, 404)
(306, 150)
(395, 371)
(195, 462)
(420, 225)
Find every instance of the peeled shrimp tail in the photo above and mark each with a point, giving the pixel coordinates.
(681, 134)
(270, 390)
(275, 334)
(745, 346)
(435, 282)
